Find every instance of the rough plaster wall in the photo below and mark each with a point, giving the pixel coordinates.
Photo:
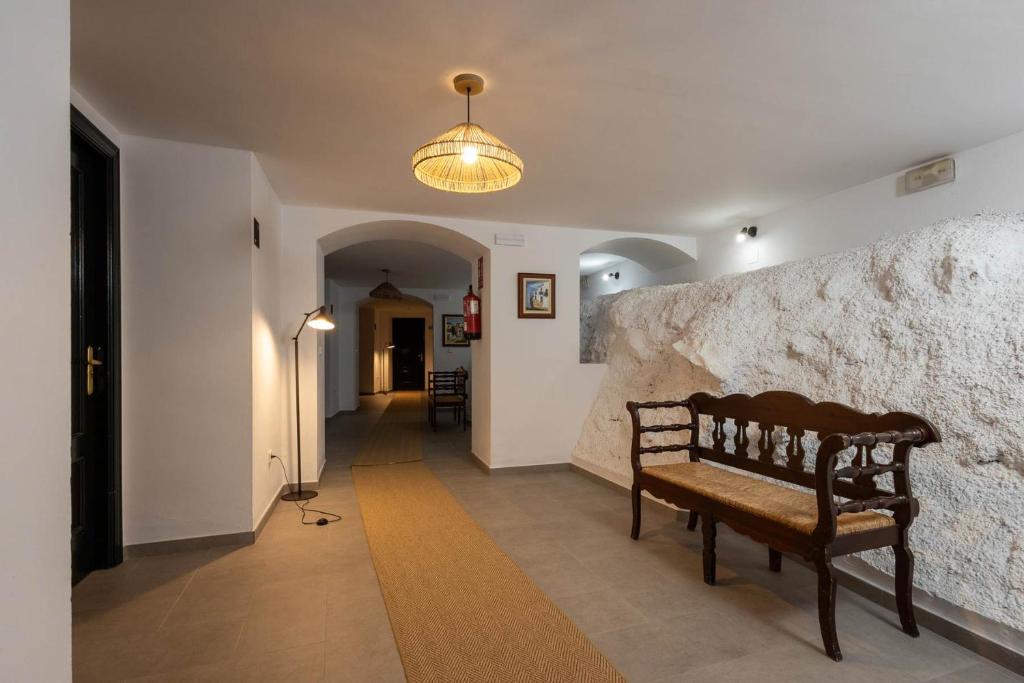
(930, 322)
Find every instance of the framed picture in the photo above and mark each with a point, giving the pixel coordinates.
(453, 332)
(536, 295)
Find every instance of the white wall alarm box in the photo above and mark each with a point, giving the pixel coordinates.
(509, 239)
(923, 177)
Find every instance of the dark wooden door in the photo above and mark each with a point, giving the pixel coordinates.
(409, 361)
(95, 366)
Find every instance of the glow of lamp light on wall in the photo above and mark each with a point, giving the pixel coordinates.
(746, 233)
(609, 276)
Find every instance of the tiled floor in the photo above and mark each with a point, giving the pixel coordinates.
(303, 603)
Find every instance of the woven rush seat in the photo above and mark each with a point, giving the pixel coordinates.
(448, 399)
(793, 509)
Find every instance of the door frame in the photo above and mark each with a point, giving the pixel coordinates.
(423, 338)
(110, 538)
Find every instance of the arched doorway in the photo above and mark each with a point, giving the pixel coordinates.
(476, 258)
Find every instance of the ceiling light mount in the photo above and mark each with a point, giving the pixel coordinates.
(469, 84)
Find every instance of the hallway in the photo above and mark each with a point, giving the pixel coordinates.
(304, 603)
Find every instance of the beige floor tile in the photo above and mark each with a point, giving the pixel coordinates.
(601, 611)
(301, 664)
(284, 628)
(363, 656)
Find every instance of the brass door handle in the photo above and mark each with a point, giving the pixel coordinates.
(90, 364)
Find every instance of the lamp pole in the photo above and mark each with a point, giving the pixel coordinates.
(322, 321)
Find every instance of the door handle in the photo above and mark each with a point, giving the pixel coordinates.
(90, 367)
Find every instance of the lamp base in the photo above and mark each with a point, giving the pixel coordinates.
(299, 495)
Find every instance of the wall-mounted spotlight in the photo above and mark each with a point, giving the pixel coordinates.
(609, 276)
(744, 233)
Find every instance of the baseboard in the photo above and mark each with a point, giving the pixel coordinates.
(184, 545)
(614, 481)
(601, 475)
(983, 636)
(268, 511)
(475, 459)
(986, 637)
(517, 469)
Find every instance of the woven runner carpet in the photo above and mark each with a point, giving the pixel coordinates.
(460, 608)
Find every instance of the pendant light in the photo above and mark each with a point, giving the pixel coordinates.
(386, 290)
(466, 158)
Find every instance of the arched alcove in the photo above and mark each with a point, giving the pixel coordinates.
(652, 254)
(614, 266)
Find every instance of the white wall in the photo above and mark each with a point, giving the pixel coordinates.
(35, 510)
(270, 348)
(539, 392)
(341, 357)
(187, 340)
(446, 357)
(988, 179)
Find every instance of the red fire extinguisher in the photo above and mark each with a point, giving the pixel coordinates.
(471, 313)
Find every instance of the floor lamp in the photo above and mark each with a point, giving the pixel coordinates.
(318, 319)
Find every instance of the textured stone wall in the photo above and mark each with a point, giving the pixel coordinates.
(930, 322)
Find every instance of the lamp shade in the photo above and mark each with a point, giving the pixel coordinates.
(321, 320)
(466, 158)
(386, 290)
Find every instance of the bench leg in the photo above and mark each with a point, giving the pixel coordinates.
(635, 533)
(774, 560)
(905, 588)
(691, 521)
(709, 530)
(827, 606)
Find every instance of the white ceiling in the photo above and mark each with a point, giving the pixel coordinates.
(413, 265)
(665, 116)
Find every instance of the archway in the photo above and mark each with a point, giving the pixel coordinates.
(614, 266)
(477, 258)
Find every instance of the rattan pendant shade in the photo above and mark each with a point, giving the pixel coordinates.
(386, 290)
(466, 158)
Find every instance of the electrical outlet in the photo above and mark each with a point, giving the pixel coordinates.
(270, 457)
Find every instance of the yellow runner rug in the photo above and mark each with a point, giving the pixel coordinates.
(396, 437)
(460, 608)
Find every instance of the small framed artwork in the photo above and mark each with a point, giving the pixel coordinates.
(536, 295)
(453, 330)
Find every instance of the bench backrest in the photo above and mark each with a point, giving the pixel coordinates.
(784, 421)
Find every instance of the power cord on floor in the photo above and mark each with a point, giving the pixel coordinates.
(323, 521)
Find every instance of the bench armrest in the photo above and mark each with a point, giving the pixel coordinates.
(901, 502)
(634, 408)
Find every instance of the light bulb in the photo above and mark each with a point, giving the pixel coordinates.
(741, 237)
(469, 154)
(605, 277)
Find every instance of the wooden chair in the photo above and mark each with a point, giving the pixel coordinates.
(814, 525)
(446, 390)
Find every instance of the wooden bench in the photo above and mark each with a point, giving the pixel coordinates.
(813, 525)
